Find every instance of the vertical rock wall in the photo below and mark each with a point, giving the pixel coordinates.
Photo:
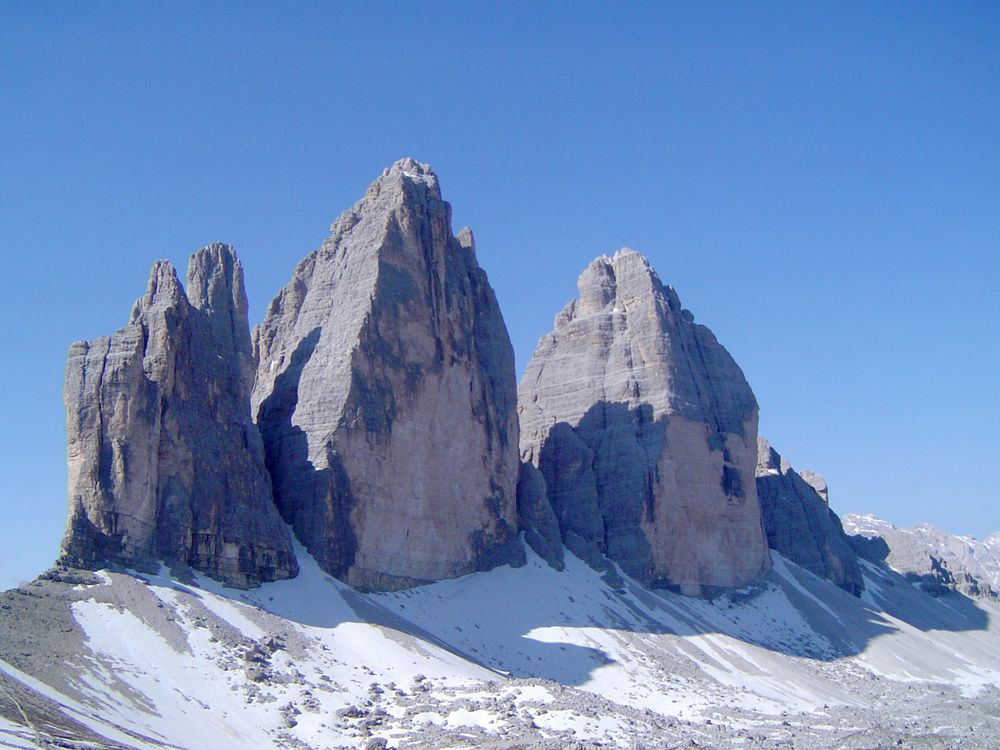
(386, 395)
(645, 431)
(799, 522)
(164, 460)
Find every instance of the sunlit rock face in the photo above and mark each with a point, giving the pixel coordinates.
(646, 433)
(386, 395)
(934, 560)
(165, 463)
(799, 522)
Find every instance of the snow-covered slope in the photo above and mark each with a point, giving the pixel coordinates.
(527, 657)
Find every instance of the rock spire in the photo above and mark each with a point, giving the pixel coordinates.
(164, 460)
(386, 395)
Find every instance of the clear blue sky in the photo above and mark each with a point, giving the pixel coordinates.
(819, 181)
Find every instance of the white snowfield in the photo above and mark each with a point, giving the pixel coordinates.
(528, 657)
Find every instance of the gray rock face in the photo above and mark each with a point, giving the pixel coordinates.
(800, 524)
(645, 431)
(386, 395)
(933, 559)
(817, 482)
(164, 460)
(536, 519)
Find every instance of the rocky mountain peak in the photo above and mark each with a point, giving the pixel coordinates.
(934, 560)
(769, 461)
(387, 339)
(611, 284)
(165, 463)
(215, 286)
(638, 418)
(817, 482)
(163, 291)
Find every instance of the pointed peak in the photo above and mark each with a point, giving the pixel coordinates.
(162, 290)
(609, 282)
(412, 168)
(163, 284)
(215, 279)
(409, 170)
(211, 260)
(407, 182)
(214, 252)
(626, 260)
(769, 461)
(624, 252)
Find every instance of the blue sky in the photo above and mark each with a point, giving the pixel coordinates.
(819, 181)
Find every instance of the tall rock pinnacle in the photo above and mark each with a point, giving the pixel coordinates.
(386, 395)
(164, 460)
(645, 431)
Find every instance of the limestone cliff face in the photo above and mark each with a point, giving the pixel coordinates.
(799, 522)
(386, 395)
(164, 460)
(645, 431)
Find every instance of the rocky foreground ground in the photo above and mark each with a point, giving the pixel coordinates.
(110, 660)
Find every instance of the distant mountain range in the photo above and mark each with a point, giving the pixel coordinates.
(935, 559)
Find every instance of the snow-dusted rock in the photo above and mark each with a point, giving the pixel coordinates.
(799, 522)
(164, 460)
(386, 395)
(934, 559)
(645, 430)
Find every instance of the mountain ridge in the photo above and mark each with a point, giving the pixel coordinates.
(352, 528)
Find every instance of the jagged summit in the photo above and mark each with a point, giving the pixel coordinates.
(164, 460)
(645, 431)
(935, 560)
(386, 395)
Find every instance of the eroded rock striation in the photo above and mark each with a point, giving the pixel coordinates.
(386, 395)
(165, 462)
(645, 431)
(799, 522)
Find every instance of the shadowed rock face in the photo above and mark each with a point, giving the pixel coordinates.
(386, 395)
(164, 460)
(800, 524)
(536, 519)
(645, 431)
